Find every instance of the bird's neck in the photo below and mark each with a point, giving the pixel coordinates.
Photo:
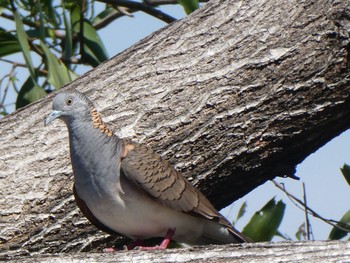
(91, 144)
(91, 125)
(99, 124)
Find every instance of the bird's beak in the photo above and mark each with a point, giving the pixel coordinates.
(52, 116)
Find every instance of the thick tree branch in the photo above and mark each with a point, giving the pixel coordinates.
(316, 251)
(235, 94)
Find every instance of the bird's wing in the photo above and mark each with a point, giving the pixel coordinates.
(166, 185)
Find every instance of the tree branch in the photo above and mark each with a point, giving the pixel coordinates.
(141, 7)
(233, 95)
(166, 2)
(25, 21)
(333, 251)
(310, 211)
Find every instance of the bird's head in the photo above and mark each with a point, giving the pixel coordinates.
(68, 107)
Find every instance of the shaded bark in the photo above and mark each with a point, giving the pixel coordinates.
(234, 95)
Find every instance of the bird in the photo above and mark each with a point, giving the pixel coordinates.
(125, 188)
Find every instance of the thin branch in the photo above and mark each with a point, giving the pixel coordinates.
(81, 33)
(22, 65)
(24, 21)
(142, 7)
(9, 76)
(311, 211)
(166, 2)
(13, 63)
(109, 19)
(307, 221)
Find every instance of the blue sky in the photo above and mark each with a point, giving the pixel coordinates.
(327, 191)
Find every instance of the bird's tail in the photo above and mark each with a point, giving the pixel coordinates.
(221, 233)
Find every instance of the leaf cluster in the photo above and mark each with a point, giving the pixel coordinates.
(264, 224)
(56, 38)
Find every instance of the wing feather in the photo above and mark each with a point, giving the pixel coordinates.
(159, 179)
(166, 185)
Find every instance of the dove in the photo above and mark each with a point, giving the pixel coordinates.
(125, 188)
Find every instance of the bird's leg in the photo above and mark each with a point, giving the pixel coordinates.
(109, 250)
(167, 238)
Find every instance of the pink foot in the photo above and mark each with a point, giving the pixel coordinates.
(109, 250)
(137, 244)
(168, 236)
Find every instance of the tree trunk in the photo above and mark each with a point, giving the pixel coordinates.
(234, 95)
(316, 251)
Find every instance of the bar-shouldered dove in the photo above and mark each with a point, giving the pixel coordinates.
(124, 187)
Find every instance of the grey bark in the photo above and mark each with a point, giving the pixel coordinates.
(234, 95)
(317, 251)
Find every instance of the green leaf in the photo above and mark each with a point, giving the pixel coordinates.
(301, 232)
(189, 5)
(104, 15)
(29, 93)
(279, 234)
(8, 43)
(23, 41)
(68, 46)
(58, 74)
(264, 223)
(94, 51)
(75, 17)
(337, 233)
(93, 47)
(41, 17)
(241, 211)
(49, 10)
(4, 5)
(346, 172)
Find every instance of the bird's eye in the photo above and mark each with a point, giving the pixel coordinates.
(69, 102)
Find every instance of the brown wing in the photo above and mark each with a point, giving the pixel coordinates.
(159, 179)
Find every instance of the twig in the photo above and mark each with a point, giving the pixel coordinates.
(166, 2)
(109, 19)
(307, 222)
(24, 21)
(312, 212)
(2, 104)
(22, 65)
(17, 64)
(81, 33)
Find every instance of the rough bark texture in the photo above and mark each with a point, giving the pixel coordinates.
(233, 95)
(317, 251)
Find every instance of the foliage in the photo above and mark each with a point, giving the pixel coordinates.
(56, 38)
(345, 170)
(263, 226)
(189, 5)
(338, 233)
(342, 228)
